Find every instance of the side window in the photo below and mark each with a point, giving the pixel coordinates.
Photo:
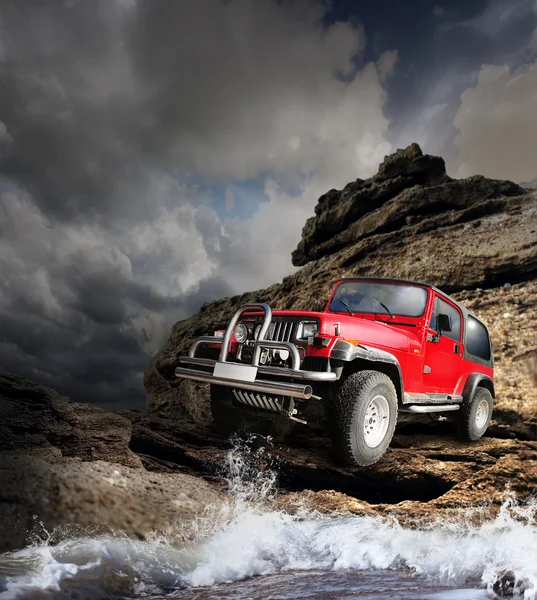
(477, 339)
(442, 307)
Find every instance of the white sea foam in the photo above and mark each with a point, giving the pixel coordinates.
(256, 540)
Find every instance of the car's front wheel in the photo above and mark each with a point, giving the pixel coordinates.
(474, 416)
(366, 415)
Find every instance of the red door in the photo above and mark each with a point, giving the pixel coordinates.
(443, 351)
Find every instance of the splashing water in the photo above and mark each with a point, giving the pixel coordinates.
(299, 556)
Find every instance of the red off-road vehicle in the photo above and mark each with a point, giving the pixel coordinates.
(383, 350)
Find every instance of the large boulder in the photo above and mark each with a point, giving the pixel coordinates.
(68, 469)
(37, 420)
(408, 187)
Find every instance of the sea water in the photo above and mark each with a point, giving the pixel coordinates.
(249, 549)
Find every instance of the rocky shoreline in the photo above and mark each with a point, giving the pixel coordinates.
(66, 467)
(69, 469)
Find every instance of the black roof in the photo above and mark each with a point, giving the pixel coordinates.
(390, 279)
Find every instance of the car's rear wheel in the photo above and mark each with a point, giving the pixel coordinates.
(230, 419)
(474, 416)
(366, 415)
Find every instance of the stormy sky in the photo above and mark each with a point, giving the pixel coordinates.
(158, 154)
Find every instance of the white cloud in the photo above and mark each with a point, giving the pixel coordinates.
(348, 142)
(230, 198)
(497, 126)
(498, 15)
(294, 143)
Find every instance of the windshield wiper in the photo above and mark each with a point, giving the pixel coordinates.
(344, 304)
(384, 307)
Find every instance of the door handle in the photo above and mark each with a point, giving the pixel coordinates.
(457, 349)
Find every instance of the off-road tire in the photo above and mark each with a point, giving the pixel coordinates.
(469, 426)
(232, 421)
(357, 395)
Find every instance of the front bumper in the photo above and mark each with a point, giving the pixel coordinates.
(291, 382)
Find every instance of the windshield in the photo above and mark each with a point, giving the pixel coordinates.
(370, 296)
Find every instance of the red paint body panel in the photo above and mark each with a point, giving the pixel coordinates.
(434, 367)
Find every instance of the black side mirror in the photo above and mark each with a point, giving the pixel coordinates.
(443, 323)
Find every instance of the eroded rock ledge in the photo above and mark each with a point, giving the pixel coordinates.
(409, 188)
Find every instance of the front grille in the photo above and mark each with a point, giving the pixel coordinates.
(258, 400)
(282, 330)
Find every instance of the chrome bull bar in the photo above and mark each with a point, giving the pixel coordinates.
(243, 376)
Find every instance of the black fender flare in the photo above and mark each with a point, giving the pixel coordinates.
(347, 352)
(474, 381)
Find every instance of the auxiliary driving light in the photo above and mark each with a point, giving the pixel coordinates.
(241, 333)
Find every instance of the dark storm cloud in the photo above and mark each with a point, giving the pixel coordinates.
(106, 109)
(67, 102)
(104, 370)
(94, 92)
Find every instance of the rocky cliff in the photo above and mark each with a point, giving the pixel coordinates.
(411, 195)
(475, 238)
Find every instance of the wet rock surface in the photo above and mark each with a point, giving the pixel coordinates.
(68, 469)
(160, 474)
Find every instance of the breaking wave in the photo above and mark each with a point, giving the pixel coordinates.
(251, 538)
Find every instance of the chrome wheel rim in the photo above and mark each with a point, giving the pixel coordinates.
(482, 414)
(377, 419)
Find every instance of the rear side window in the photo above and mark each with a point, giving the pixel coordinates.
(442, 307)
(477, 339)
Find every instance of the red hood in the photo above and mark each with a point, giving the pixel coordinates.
(367, 331)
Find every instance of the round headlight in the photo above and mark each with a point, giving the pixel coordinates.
(241, 333)
(256, 332)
